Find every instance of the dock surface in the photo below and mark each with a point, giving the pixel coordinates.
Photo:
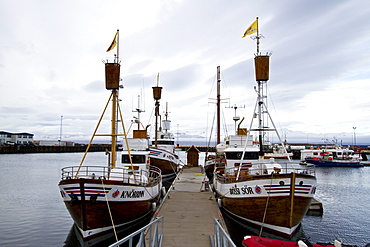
(189, 211)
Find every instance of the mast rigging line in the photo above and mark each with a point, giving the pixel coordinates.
(273, 106)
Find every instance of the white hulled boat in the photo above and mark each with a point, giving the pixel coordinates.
(162, 150)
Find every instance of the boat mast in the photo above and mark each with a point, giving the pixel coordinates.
(218, 106)
(262, 75)
(157, 91)
(262, 64)
(138, 110)
(112, 78)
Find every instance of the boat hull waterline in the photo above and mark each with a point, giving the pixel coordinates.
(277, 202)
(333, 163)
(94, 203)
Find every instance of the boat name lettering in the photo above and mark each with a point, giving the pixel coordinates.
(247, 190)
(234, 191)
(132, 194)
(241, 191)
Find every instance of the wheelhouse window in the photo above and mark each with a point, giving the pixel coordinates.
(165, 142)
(136, 159)
(238, 155)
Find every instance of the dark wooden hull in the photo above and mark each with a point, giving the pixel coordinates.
(89, 209)
(277, 214)
(286, 204)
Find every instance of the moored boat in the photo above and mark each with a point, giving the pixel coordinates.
(114, 196)
(278, 152)
(331, 157)
(162, 150)
(273, 196)
(327, 161)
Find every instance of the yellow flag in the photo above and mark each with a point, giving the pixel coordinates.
(114, 43)
(251, 29)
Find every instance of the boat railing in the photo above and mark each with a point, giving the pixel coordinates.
(142, 177)
(221, 238)
(227, 175)
(150, 235)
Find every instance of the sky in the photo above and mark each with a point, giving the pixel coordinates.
(52, 74)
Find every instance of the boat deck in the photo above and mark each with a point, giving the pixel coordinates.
(189, 211)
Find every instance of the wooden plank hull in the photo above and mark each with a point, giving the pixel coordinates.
(274, 201)
(87, 201)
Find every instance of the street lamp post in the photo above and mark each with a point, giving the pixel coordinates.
(354, 136)
(60, 130)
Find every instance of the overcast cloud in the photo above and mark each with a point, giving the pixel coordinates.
(51, 64)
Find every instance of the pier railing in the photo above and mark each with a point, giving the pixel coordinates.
(150, 235)
(221, 238)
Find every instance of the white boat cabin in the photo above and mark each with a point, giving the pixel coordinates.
(334, 153)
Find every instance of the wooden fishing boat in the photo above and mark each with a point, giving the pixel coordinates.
(258, 191)
(162, 150)
(108, 197)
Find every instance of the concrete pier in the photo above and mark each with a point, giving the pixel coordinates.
(189, 211)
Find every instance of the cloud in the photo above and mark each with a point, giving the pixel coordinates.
(51, 53)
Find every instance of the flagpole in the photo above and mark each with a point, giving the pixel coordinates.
(117, 45)
(258, 37)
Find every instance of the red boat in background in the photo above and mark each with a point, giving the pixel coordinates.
(255, 241)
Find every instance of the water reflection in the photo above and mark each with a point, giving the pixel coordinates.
(74, 238)
(238, 230)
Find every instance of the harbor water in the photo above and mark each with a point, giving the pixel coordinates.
(33, 213)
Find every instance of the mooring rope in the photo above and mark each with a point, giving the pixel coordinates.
(110, 214)
(267, 202)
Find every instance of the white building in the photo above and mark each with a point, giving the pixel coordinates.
(15, 138)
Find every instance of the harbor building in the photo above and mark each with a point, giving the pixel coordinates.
(15, 138)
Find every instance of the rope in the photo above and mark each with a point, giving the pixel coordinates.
(110, 214)
(267, 202)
